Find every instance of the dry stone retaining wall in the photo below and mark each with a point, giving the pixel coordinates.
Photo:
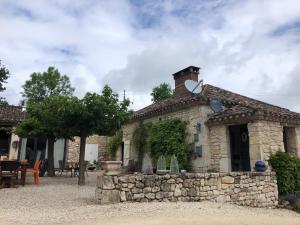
(242, 188)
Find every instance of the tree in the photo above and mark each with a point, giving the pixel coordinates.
(49, 83)
(101, 114)
(47, 119)
(45, 93)
(161, 92)
(4, 75)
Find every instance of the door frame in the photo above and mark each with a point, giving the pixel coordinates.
(239, 147)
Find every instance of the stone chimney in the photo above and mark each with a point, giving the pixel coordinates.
(189, 73)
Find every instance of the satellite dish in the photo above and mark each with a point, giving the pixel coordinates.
(193, 86)
(216, 105)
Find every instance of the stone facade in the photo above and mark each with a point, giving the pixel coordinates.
(193, 116)
(265, 137)
(242, 188)
(220, 149)
(101, 141)
(293, 142)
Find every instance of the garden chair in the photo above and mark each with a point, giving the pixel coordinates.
(76, 169)
(64, 167)
(36, 168)
(9, 172)
(36, 171)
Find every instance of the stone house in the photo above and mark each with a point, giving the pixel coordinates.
(10, 116)
(14, 147)
(232, 139)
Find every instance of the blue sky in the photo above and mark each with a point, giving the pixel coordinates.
(251, 47)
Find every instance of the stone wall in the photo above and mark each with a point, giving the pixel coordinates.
(13, 149)
(102, 141)
(193, 116)
(265, 137)
(297, 150)
(220, 148)
(247, 188)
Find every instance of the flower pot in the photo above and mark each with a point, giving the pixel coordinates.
(111, 167)
(260, 166)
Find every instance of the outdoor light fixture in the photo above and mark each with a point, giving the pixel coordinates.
(198, 127)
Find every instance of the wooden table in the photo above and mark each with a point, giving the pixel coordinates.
(11, 170)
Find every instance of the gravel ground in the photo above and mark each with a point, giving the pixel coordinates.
(60, 201)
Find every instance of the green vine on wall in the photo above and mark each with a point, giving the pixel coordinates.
(7, 130)
(140, 141)
(166, 137)
(114, 143)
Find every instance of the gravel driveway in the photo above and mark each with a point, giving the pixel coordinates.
(61, 201)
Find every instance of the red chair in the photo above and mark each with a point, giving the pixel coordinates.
(36, 171)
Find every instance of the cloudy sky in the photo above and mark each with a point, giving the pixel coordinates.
(251, 47)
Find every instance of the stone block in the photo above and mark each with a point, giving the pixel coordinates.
(171, 181)
(110, 197)
(227, 180)
(149, 181)
(128, 196)
(177, 191)
(139, 185)
(123, 196)
(138, 196)
(159, 195)
(150, 196)
(107, 182)
(192, 192)
(123, 179)
(130, 185)
(165, 187)
(147, 190)
(155, 189)
(136, 190)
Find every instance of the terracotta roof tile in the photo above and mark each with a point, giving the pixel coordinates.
(11, 114)
(235, 104)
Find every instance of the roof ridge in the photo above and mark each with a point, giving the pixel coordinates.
(243, 96)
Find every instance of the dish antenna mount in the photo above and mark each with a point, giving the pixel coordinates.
(193, 86)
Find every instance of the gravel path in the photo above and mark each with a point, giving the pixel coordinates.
(60, 201)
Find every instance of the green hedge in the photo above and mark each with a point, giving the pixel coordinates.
(287, 169)
(167, 137)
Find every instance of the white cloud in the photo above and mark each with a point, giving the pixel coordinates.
(251, 47)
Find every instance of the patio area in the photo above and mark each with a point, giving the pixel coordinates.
(60, 200)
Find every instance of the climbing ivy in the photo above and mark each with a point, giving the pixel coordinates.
(166, 138)
(114, 143)
(140, 141)
(7, 130)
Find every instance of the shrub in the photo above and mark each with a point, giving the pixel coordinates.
(114, 143)
(166, 138)
(287, 169)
